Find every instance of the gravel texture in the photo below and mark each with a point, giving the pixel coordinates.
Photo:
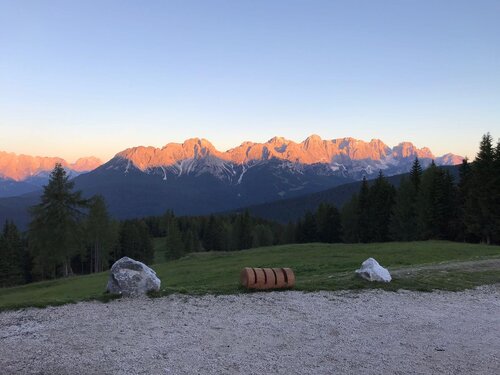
(370, 332)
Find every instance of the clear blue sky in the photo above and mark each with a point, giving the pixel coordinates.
(94, 77)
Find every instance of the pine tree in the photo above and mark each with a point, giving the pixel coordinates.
(243, 231)
(463, 192)
(416, 173)
(436, 204)
(309, 229)
(403, 226)
(175, 247)
(135, 241)
(364, 212)
(100, 234)
(262, 236)
(213, 238)
(381, 201)
(496, 193)
(480, 215)
(55, 233)
(350, 220)
(289, 233)
(191, 241)
(12, 256)
(328, 223)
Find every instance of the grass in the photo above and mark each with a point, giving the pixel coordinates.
(317, 267)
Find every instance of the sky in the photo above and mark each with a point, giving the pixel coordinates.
(81, 78)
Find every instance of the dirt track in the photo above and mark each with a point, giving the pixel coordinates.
(372, 332)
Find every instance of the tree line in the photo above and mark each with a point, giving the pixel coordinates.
(427, 205)
(69, 234)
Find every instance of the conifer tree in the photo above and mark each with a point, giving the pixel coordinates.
(309, 230)
(328, 223)
(496, 193)
(262, 236)
(364, 212)
(380, 203)
(12, 256)
(100, 234)
(55, 233)
(403, 226)
(350, 220)
(135, 241)
(191, 241)
(480, 215)
(463, 191)
(435, 204)
(175, 247)
(289, 233)
(416, 173)
(213, 238)
(243, 231)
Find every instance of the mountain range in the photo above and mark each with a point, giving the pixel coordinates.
(21, 174)
(194, 178)
(348, 157)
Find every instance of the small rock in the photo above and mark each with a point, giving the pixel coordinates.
(372, 271)
(132, 278)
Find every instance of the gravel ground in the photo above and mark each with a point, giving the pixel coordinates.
(371, 332)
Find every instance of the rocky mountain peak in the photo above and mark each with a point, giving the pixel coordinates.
(86, 164)
(409, 150)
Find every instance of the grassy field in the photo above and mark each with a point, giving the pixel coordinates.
(415, 265)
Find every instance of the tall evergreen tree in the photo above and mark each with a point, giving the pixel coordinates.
(213, 238)
(191, 241)
(328, 223)
(135, 241)
(403, 225)
(435, 204)
(364, 212)
(175, 246)
(100, 234)
(463, 191)
(308, 229)
(55, 233)
(12, 257)
(416, 173)
(243, 231)
(496, 193)
(480, 215)
(262, 236)
(350, 220)
(289, 233)
(380, 203)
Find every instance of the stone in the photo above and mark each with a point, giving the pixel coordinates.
(372, 271)
(129, 277)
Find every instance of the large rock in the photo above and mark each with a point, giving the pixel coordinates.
(132, 278)
(372, 271)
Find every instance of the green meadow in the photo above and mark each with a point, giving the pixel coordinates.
(422, 266)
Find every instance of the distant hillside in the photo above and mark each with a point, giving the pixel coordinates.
(292, 209)
(17, 209)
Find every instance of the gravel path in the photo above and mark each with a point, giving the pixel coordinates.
(371, 332)
(469, 266)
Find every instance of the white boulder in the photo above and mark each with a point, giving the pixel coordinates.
(129, 277)
(372, 271)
